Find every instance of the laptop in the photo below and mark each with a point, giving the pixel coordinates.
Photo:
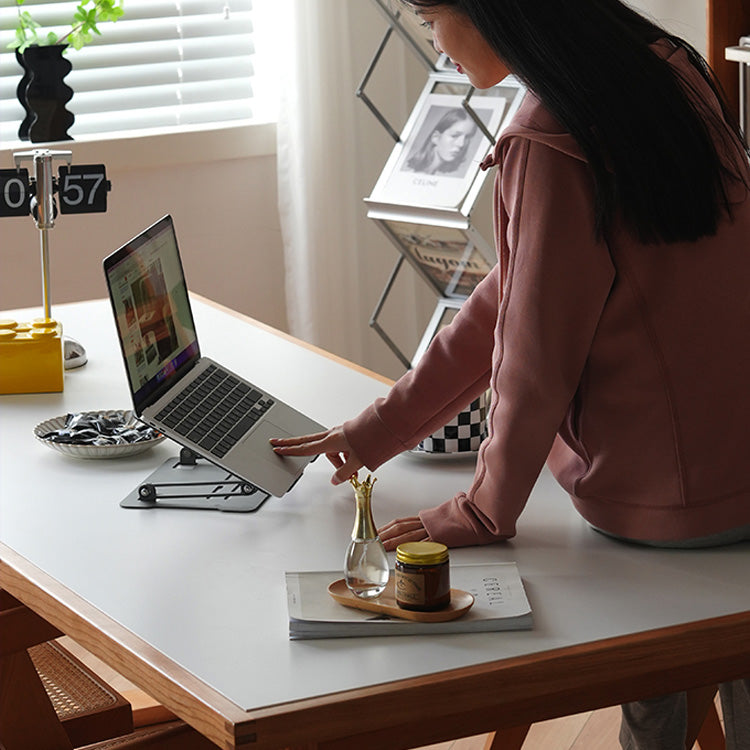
(190, 398)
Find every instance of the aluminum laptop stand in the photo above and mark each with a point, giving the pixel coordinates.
(192, 482)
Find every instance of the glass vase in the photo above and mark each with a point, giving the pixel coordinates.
(366, 567)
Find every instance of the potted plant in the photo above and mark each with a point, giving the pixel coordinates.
(42, 91)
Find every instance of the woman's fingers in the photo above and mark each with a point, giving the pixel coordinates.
(332, 442)
(346, 463)
(402, 530)
(307, 445)
(348, 468)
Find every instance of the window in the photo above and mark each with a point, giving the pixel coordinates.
(166, 64)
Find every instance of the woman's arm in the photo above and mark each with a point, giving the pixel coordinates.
(453, 372)
(558, 279)
(450, 375)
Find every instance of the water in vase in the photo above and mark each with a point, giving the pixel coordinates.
(366, 567)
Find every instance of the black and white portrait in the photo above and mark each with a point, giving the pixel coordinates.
(439, 159)
(444, 143)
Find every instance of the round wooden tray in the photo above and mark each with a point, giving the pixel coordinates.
(461, 602)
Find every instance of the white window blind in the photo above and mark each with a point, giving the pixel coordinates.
(164, 64)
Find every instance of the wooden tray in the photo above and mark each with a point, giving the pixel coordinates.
(385, 604)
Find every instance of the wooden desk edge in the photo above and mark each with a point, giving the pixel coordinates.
(292, 339)
(276, 332)
(522, 690)
(485, 697)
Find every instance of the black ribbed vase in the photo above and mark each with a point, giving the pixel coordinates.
(47, 94)
(23, 130)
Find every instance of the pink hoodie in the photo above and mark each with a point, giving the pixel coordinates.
(625, 366)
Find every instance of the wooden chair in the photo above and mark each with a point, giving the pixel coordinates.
(174, 735)
(88, 708)
(49, 699)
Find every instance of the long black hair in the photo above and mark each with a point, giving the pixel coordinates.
(647, 135)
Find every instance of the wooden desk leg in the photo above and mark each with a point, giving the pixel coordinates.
(711, 734)
(701, 712)
(507, 739)
(27, 717)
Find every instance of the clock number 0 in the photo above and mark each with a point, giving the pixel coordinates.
(20, 190)
(15, 192)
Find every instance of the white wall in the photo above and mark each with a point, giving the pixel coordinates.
(686, 18)
(221, 190)
(224, 210)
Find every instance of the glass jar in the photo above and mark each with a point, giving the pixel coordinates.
(422, 576)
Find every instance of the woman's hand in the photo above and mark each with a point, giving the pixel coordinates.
(332, 442)
(336, 447)
(402, 530)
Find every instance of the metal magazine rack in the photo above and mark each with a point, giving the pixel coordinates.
(430, 195)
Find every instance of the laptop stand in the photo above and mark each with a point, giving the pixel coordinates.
(191, 482)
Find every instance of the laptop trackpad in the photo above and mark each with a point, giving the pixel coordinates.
(260, 437)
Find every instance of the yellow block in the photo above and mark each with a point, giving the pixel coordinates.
(31, 356)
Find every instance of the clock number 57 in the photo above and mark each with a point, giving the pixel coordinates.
(83, 189)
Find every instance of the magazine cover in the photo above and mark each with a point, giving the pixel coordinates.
(447, 256)
(439, 159)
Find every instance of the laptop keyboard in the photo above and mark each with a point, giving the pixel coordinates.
(215, 410)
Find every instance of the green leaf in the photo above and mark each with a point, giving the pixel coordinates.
(25, 21)
(84, 24)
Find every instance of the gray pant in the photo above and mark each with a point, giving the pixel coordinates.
(661, 723)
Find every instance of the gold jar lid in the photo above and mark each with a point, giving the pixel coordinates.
(422, 553)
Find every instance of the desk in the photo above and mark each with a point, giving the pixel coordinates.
(190, 605)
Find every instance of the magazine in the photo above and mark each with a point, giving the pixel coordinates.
(500, 603)
(439, 159)
(446, 255)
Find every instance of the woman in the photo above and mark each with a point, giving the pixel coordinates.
(446, 147)
(612, 330)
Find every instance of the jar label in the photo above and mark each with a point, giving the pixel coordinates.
(410, 588)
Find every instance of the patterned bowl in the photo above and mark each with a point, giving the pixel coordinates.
(85, 450)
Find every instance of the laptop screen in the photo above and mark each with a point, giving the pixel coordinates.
(152, 312)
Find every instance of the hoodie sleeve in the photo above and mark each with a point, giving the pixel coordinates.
(453, 371)
(558, 279)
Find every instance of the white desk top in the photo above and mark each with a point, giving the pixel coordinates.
(207, 588)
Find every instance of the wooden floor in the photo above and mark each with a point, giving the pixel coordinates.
(593, 730)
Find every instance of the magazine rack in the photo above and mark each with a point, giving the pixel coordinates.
(427, 198)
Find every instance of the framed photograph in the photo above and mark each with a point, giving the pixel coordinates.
(438, 162)
(452, 260)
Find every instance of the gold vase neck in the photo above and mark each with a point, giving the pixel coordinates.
(364, 525)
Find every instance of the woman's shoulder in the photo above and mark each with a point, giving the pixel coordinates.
(534, 122)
